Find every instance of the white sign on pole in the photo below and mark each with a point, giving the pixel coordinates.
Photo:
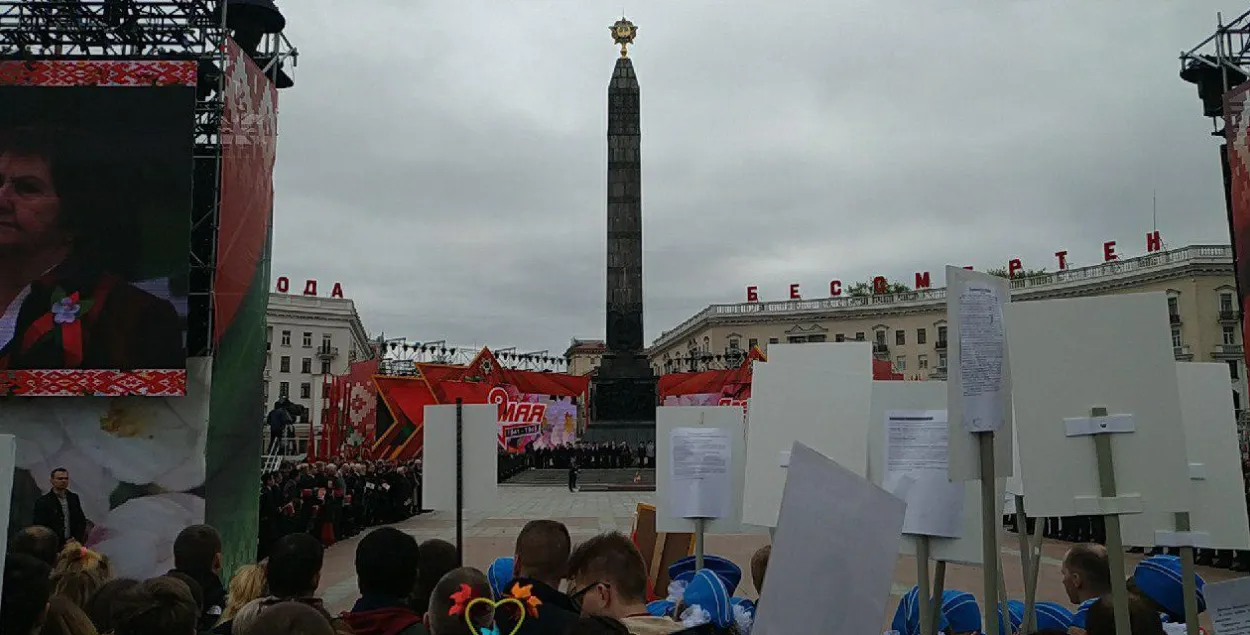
(1228, 604)
(480, 451)
(698, 467)
(1071, 356)
(728, 419)
(915, 447)
(925, 395)
(837, 542)
(1214, 459)
(816, 394)
(978, 382)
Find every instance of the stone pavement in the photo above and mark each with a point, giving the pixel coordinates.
(489, 536)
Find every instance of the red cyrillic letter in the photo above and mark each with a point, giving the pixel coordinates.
(753, 294)
(310, 287)
(922, 281)
(1063, 259)
(794, 292)
(337, 291)
(835, 288)
(1154, 242)
(1013, 266)
(879, 285)
(284, 284)
(1108, 251)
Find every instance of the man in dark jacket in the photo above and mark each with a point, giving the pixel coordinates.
(387, 560)
(279, 420)
(197, 555)
(61, 511)
(541, 558)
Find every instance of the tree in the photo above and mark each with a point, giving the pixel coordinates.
(1002, 272)
(864, 289)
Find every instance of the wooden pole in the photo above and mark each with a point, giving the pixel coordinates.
(1189, 586)
(990, 520)
(923, 593)
(1115, 543)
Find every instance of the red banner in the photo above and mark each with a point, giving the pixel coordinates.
(1237, 131)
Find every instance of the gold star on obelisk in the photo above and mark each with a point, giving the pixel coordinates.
(623, 33)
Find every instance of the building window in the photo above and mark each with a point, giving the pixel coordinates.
(269, 338)
(1174, 305)
(1176, 337)
(284, 389)
(265, 390)
(1230, 337)
(752, 343)
(795, 339)
(284, 364)
(818, 338)
(839, 337)
(325, 389)
(773, 340)
(922, 362)
(325, 368)
(305, 366)
(1232, 369)
(900, 337)
(942, 361)
(305, 390)
(286, 338)
(920, 336)
(1226, 303)
(325, 342)
(859, 336)
(941, 334)
(1236, 401)
(307, 339)
(900, 364)
(880, 335)
(735, 344)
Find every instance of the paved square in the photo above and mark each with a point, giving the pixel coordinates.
(492, 535)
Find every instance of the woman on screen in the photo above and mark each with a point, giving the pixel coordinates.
(62, 216)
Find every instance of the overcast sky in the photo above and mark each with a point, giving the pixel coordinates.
(446, 160)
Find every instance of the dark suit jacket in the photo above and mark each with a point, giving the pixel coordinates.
(48, 514)
(130, 329)
(555, 615)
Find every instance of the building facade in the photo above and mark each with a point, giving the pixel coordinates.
(583, 356)
(309, 337)
(909, 329)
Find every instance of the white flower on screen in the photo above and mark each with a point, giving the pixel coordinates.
(91, 481)
(145, 440)
(139, 535)
(37, 422)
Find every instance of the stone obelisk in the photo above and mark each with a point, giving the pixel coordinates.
(624, 400)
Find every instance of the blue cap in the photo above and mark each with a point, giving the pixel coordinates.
(708, 592)
(499, 573)
(1052, 616)
(730, 573)
(962, 612)
(744, 603)
(661, 608)
(907, 616)
(1159, 578)
(1015, 614)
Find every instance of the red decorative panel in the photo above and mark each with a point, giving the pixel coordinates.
(98, 73)
(73, 383)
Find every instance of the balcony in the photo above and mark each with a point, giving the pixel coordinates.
(940, 345)
(1228, 317)
(1228, 351)
(880, 350)
(938, 373)
(1174, 318)
(1183, 353)
(327, 352)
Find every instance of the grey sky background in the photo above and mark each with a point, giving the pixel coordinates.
(445, 161)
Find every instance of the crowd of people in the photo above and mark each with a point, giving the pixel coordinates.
(336, 501)
(616, 455)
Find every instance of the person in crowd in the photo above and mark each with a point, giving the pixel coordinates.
(438, 558)
(759, 567)
(573, 475)
(197, 554)
(160, 606)
(540, 561)
(449, 612)
(1143, 619)
(61, 511)
(291, 618)
(1086, 573)
(907, 615)
(610, 579)
(294, 571)
(247, 584)
(387, 561)
(279, 420)
(66, 618)
(76, 586)
(75, 558)
(1158, 580)
(37, 541)
(597, 625)
(1049, 617)
(100, 606)
(706, 608)
(24, 603)
(499, 574)
(197, 593)
(961, 613)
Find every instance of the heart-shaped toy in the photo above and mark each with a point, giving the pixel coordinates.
(494, 606)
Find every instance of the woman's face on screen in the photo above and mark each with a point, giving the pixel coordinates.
(29, 205)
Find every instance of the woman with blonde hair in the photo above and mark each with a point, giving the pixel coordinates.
(75, 557)
(66, 618)
(247, 584)
(76, 586)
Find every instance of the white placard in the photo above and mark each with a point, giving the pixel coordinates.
(1213, 466)
(8, 462)
(699, 464)
(984, 403)
(727, 418)
(1228, 604)
(915, 446)
(926, 395)
(837, 542)
(1070, 356)
(816, 394)
(480, 451)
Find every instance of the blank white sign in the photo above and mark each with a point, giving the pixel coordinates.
(481, 467)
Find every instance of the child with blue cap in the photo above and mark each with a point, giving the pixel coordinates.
(1158, 579)
(963, 615)
(499, 574)
(907, 616)
(705, 606)
(1049, 617)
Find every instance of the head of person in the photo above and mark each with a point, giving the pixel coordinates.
(66, 618)
(387, 562)
(1086, 572)
(100, 606)
(500, 573)
(59, 478)
(759, 566)
(608, 577)
(37, 541)
(294, 567)
(706, 601)
(160, 606)
(962, 614)
(1158, 580)
(449, 612)
(76, 586)
(542, 552)
(197, 591)
(597, 625)
(197, 550)
(247, 584)
(77, 558)
(438, 558)
(34, 210)
(1142, 616)
(290, 618)
(25, 596)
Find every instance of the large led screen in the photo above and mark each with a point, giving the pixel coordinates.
(95, 212)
